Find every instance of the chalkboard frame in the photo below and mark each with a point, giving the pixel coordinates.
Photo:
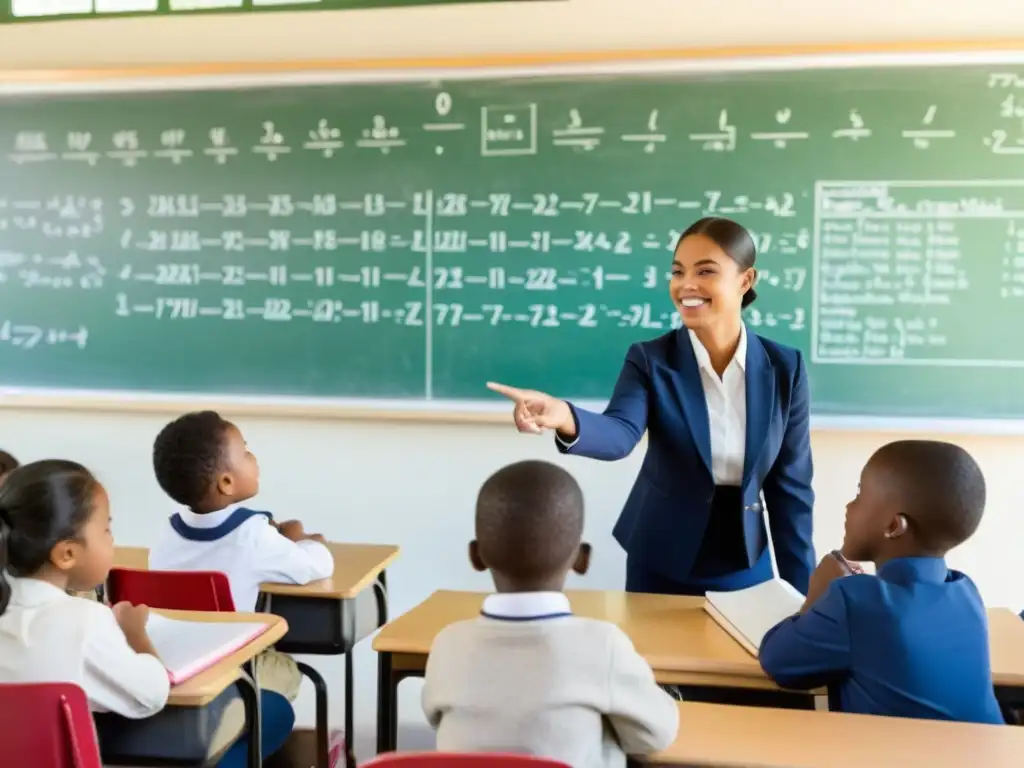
(223, 76)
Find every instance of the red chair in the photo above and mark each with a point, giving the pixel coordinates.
(171, 590)
(51, 723)
(457, 760)
(205, 591)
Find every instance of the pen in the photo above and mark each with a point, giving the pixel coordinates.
(849, 567)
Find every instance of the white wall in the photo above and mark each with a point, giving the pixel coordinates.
(414, 485)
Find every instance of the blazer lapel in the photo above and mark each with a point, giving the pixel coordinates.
(760, 402)
(695, 405)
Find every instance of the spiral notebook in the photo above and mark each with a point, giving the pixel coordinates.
(189, 647)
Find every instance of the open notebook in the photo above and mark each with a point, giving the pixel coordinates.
(188, 647)
(748, 614)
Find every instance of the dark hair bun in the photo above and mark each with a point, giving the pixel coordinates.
(748, 298)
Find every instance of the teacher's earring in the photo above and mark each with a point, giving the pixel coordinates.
(582, 562)
(898, 528)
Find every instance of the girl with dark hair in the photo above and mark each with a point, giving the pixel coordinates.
(7, 464)
(727, 415)
(55, 538)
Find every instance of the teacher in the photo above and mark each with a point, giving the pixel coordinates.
(727, 415)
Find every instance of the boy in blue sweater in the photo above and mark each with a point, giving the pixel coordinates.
(911, 641)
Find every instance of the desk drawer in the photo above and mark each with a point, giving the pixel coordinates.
(174, 736)
(327, 626)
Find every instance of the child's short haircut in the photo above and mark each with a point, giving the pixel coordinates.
(529, 520)
(938, 485)
(7, 463)
(187, 455)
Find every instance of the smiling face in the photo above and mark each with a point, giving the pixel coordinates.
(706, 283)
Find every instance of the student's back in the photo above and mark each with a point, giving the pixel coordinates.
(203, 463)
(911, 641)
(567, 688)
(242, 544)
(916, 645)
(527, 676)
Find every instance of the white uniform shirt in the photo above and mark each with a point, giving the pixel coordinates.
(726, 398)
(531, 678)
(47, 636)
(249, 553)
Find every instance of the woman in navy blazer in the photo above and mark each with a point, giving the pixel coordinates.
(727, 416)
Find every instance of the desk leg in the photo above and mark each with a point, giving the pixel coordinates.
(387, 706)
(380, 591)
(322, 725)
(250, 693)
(350, 710)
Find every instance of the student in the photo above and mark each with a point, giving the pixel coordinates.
(911, 641)
(203, 463)
(527, 676)
(7, 465)
(55, 527)
(54, 537)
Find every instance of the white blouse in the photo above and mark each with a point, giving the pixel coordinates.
(47, 636)
(726, 399)
(727, 410)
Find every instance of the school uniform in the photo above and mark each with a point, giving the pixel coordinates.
(909, 642)
(48, 636)
(242, 544)
(529, 677)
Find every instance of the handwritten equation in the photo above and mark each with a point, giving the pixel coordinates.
(447, 123)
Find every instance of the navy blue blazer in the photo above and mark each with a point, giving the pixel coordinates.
(909, 642)
(659, 391)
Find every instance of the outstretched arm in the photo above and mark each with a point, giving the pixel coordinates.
(607, 436)
(613, 435)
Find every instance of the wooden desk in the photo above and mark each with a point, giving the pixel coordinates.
(132, 557)
(683, 645)
(356, 567)
(184, 729)
(207, 685)
(674, 634)
(752, 737)
(322, 617)
(1006, 641)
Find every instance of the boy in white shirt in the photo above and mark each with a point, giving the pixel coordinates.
(203, 463)
(528, 676)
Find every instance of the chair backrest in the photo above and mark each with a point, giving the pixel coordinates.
(171, 590)
(47, 725)
(457, 760)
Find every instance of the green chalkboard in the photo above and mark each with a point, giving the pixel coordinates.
(413, 237)
(13, 11)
